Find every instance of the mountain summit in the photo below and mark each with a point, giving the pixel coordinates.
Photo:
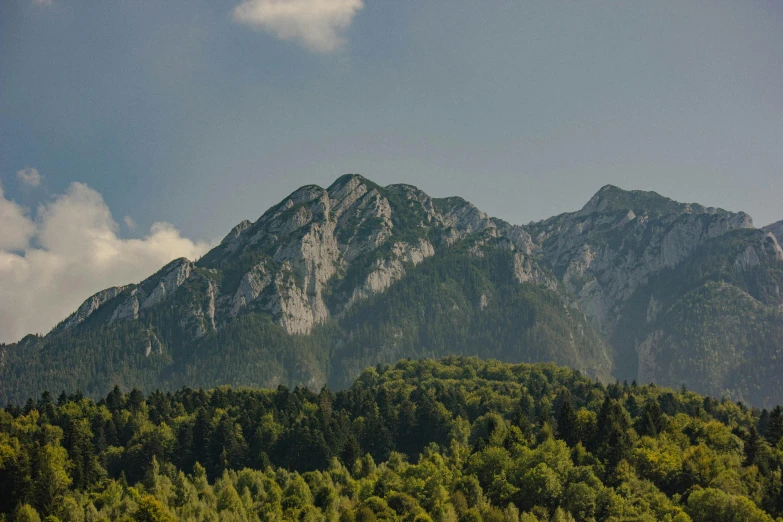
(329, 281)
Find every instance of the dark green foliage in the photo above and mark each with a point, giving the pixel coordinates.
(457, 439)
(774, 428)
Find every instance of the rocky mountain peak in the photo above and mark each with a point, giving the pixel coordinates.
(611, 198)
(322, 254)
(300, 249)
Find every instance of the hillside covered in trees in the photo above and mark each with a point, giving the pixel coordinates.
(458, 439)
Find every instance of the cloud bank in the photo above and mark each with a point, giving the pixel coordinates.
(50, 263)
(315, 24)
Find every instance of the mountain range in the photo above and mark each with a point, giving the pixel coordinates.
(329, 281)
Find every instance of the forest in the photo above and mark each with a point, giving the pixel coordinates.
(457, 439)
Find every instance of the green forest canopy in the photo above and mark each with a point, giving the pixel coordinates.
(458, 439)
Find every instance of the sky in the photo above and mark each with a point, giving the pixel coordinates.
(132, 133)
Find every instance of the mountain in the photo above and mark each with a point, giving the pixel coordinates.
(330, 281)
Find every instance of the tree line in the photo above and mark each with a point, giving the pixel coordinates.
(459, 439)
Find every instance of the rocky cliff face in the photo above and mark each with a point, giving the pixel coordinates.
(619, 240)
(302, 248)
(320, 255)
(776, 229)
(287, 261)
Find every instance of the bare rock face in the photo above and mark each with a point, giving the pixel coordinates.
(291, 305)
(128, 308)
(521, 240)
(306, 242)
(747, 259)
(654, 308)
(250, 287)
(776, 229)
(230, 242)
(153, 290)
(527, 270)
(606, 251)
(153, 344)
(384, 272)
(176, 273)
(89, 306)
(771, 245)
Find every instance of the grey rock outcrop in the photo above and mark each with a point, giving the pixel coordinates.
(90, 305)
(606, 250)
(776, 229)
(771, 245)
(153, 290)
(384, 272)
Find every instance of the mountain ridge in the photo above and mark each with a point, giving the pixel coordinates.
(316, 264)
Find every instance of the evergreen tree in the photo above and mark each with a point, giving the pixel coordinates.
(774, 431)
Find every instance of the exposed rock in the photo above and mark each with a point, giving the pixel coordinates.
(386, 271)
(129, 308)
(463, 219)
(290, 304)
(316, 232)
(231, 241)
(90, 305)
(521, 240)
(771, 246)
(747, 259)
(606, 251)
(776, 229)
(174, 274)
(153, 344)
(250, 287)
(526, 270)
(345, 192)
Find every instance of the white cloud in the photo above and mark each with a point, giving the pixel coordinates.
(50, 264)
(16, 229)
(129, 222)
(29, 176)
(316, 24)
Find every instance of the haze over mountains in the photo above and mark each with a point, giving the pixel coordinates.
(330, 281)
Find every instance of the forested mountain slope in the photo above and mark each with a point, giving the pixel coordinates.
(459, 439)
(332, 280)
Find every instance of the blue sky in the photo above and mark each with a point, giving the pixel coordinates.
(201, 114)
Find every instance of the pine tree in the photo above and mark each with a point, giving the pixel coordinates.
(50, 478)
(774, 430)
(566, 424)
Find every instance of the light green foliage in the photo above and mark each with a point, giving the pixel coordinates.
(713, 505)
(26, 513)
(466, 440)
